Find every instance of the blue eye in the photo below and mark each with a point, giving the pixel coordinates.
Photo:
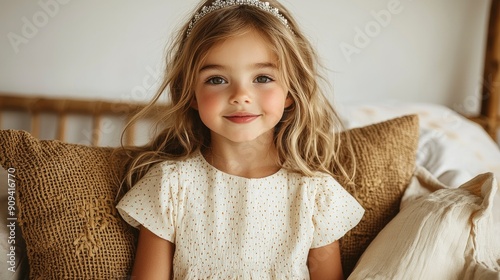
(216, 81)
(263, 79)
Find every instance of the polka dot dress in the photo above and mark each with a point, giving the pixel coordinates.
(230, 227)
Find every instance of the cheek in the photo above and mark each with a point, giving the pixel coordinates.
(208, 105)
(274, 102)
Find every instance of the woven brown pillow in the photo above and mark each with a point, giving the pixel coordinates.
(385, 156)
(66, 202)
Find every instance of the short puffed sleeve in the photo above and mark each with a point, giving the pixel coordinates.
(335, 212)
(152, 201)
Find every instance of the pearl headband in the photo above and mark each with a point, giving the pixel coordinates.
(219, 4)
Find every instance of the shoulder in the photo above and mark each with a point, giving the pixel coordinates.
(172, 169)
(328, 189)
(324, 179)
(319, 186)
(319, 181)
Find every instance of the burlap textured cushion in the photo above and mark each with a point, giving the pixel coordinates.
(385, 156)
(66, 202)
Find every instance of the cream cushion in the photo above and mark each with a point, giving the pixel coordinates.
(448, 234)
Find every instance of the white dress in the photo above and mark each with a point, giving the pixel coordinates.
(229, 227)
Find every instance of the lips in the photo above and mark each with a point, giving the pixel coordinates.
(242, 117)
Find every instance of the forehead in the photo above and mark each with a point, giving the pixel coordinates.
(244, 48)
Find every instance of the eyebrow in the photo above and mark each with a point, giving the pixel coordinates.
(260, 65)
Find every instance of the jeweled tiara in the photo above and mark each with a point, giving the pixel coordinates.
(219, 4)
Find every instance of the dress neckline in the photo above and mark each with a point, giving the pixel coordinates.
(204, 161)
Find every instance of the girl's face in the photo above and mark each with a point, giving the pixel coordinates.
(238, 94)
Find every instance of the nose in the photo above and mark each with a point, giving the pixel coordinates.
(240, 95)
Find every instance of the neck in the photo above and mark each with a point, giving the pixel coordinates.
(255, 159)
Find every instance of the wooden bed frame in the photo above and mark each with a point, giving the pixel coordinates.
(488, 118)
(96, 109)
(490, 103)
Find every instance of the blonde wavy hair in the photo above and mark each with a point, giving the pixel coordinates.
(306, 138)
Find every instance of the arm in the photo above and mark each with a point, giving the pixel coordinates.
(153, 258)
(324, 262)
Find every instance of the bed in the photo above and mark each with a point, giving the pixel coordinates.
(450, 147)
(423, 150)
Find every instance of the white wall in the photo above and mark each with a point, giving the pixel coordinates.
(420, 50)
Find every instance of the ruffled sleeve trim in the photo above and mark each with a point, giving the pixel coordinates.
(152, 202)
(335, 212)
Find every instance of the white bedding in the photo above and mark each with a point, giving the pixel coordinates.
(451, 147)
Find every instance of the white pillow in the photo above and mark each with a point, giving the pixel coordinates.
(448, 234)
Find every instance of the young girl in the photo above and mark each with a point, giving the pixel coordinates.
(238, 184)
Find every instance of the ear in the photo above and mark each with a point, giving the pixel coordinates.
(194, 104)
(288, 101)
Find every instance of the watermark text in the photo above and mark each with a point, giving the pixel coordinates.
(11, 219)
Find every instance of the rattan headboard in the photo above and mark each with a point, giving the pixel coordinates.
(34, 106)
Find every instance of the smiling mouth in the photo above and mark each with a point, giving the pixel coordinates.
(242, 118)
